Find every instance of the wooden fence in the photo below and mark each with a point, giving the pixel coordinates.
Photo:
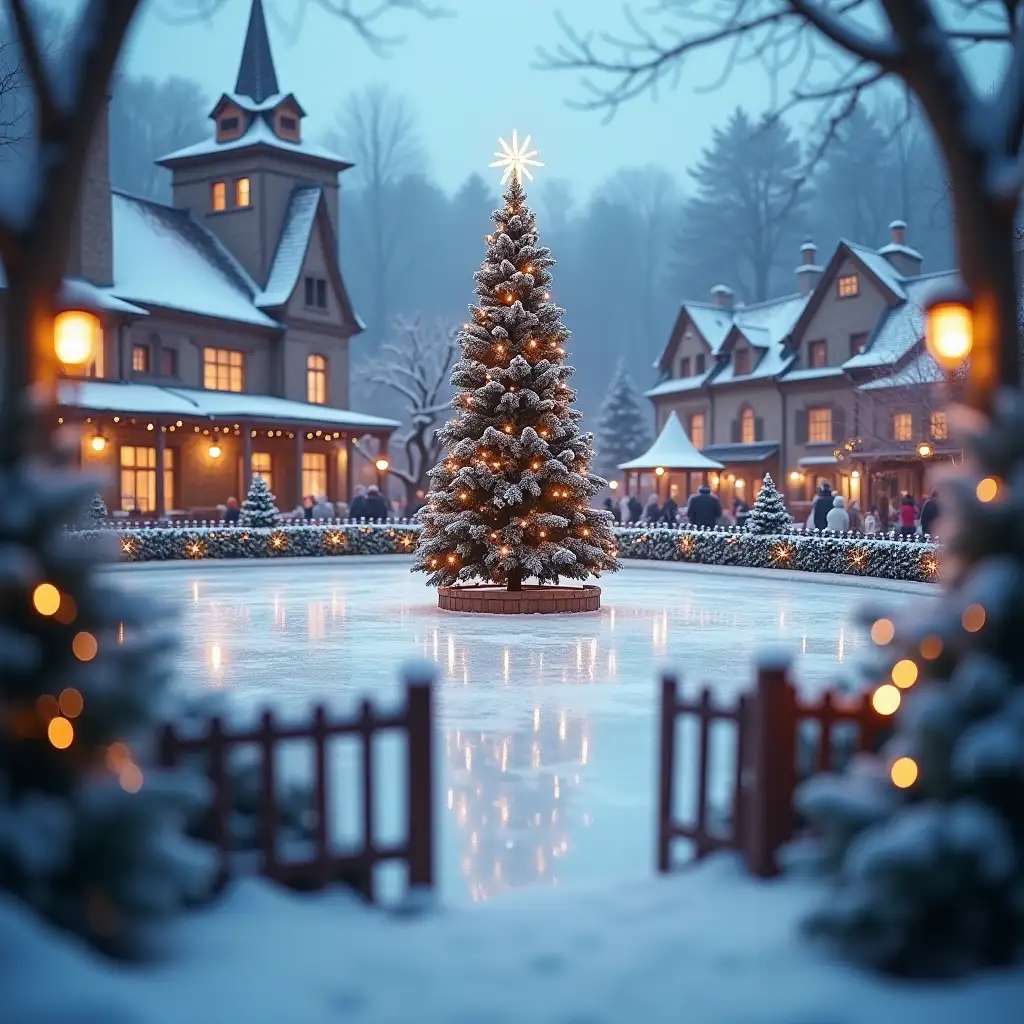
(317, 863)
(769, 726)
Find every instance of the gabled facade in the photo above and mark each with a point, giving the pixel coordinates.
(829, 384)
(226, 318)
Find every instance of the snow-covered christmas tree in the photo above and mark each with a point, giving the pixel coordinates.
(91, 831)
(769, 514)
(926, 842)
(259, 508)
(511, 498)
(96, 515)
(623, 426)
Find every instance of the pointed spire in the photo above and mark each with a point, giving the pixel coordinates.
(256, 76)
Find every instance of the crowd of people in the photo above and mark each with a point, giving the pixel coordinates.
(829, 511)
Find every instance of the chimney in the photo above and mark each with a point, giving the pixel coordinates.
(808, 273)
(723, 296)
(905, 260)
(92, 234)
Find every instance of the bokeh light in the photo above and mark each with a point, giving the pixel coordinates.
(71, 703)
(60, 732)
(131, 778)
(931, 647)
(886, 699)
(46, 599)
(84, 646)
(987, 489)
(903, 772)
(904, 673)
(973, 618)
(882, 632)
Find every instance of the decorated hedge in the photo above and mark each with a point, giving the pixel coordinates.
(888, 558)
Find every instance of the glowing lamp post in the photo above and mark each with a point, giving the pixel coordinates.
(382, 468)
(77, 336)
(949, 329)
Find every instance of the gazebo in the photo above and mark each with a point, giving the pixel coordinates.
(673, 462)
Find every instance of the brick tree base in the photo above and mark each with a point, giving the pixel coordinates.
(528, 601)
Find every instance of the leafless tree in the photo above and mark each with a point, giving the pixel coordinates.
(416, 364)
(37, 204)
(834, 54)
(376, 129)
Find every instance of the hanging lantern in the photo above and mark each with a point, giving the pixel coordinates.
(382, 465)
(99, 442)
(214, 451)
(925, 450)
(949, 328)
(77, 336)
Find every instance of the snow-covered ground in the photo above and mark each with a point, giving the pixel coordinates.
(548, 722)
(707, 946)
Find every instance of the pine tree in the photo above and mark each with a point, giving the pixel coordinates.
(259, 509)
(511, 499)
(91, 833)
(926, 842)
(769, 514)
(96, 516)
(623, 430)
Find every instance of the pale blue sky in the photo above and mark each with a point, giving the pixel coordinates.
(468, 78)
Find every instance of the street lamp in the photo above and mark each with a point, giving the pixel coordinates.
(613, 485)
(949, 328)
(214, 451)
(77, 336)
(382, 467)
(99, 442)
(925, 450)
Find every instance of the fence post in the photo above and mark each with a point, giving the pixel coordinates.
(666, 767)
(419, 691)
(220, 781)
(769, 803)
(268, 792)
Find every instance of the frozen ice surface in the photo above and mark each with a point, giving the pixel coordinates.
(547, 723)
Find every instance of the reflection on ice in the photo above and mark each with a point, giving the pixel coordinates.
(548, 721)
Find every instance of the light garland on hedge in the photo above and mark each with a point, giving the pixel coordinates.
(886, 558)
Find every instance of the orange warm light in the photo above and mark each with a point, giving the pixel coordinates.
(949, 332)
(46, 599)
(76, 336)
(886, 699)
(382, 465)
(903, 772)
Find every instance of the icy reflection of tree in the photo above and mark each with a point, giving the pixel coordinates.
(515, 801)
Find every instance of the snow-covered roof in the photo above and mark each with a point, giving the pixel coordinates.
(164, 257)
(292, 245)
(817, 460)
(920, 370)
(814, 373)
(879, 266)
(906, 250)
(766, 326)
(259, 133)
(673, 449)
(79, 293)
(154, 400)
(758, 451)
(901, 327)
(680, 385)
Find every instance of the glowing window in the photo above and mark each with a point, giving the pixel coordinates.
(223, 369)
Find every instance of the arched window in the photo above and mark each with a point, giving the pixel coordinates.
(316, 379)
(748, 429)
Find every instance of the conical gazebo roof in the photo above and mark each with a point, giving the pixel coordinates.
(672, 450)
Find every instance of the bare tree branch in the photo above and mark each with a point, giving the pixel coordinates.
(47, 112)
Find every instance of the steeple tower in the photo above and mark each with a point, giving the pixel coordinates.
(256, 76)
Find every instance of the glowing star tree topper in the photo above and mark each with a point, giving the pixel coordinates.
(511, 499)
(516, 159)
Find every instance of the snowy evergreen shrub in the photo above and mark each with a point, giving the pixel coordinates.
(511, 498)
(96, 516)
(91, 832)
(259, 508)
(925, 844)
(769, 514)
(623, 425)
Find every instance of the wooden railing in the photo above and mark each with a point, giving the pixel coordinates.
(318, 863)
(768, 733)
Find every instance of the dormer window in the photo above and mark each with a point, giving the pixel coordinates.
(218, 196)
(288, 125)
(847, 286)
(684, 367)
(231, 125)
(817, 354)
(228, 124)
(698, 363)
(741, 362)
(243, 192)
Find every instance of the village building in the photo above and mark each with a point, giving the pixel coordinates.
(830, 384)
(226, 322)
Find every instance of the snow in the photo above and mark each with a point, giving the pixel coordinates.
(904, 250)
(673, 449)
(815, 373)
(79, 293)
(920, 370)
(259, 134)
(292, 246)
(154, 400)
(709, 943)
(164, 257)
(886, 274)
(682, 384)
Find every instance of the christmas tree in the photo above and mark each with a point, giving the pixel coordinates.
(924, 842)
(769, 514)
(623, 429)
(96, 515)
(91, 833)
(259, 509)
(511, 499)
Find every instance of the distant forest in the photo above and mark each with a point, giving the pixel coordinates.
(627, 255)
